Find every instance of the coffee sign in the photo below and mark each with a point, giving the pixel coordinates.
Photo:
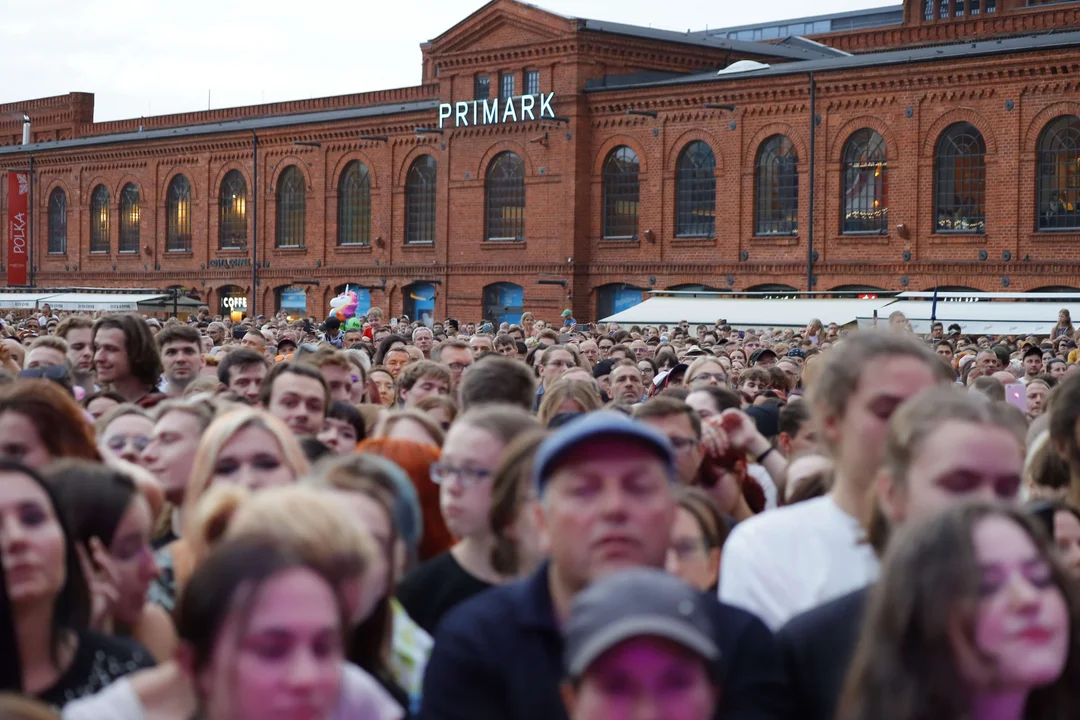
(497, 111)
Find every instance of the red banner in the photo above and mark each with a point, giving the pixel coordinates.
(18, 235)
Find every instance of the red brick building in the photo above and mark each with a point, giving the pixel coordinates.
(942, 149)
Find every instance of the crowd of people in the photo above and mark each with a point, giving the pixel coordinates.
(301, 520)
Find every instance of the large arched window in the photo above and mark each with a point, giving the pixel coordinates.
(621, 192)
(354, 205)
(129, 219)
(99, 219)
(776, 210)
(960, 180)
(865, 205)
(291, 208)
(232, 212)
(57, 222)
(1059, 174)
(506, 197)
(178, 215)
(420, 200)
(695, 191)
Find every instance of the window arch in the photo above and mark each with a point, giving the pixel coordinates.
(354, 205)
(865, 203)
(1059, 174)
(695, 191)
(129, 219)
(505, 194)
(291, 208)
(776, 209)
(420, 200)
(960, 180)
(178, 215)
(99, 219)
(232, 212)
(57, 222)
(621, 193)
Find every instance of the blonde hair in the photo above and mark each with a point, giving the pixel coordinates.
(103, 423)
(393, 417)
(583, 393)
(700, 363)
(220, 432)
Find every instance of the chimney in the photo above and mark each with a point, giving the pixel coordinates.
(25, 129)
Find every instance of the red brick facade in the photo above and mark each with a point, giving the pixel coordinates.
(564, 260)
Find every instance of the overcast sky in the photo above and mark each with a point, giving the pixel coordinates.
(152, 57)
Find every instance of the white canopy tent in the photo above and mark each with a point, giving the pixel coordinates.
(747, 312)
(980, 318)
(23, 300)
(102, 302)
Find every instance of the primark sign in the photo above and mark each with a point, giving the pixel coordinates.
(497, 111)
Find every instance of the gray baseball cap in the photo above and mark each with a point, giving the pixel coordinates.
(638, 602)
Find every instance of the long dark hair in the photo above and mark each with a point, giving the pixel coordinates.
(71, 610)
(142, 351)
(384, 347)
(905, 666)
(94, 497)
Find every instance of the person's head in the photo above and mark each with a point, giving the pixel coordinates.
(797, 433)
(681, 426)
(104, 503)
(937, 330)
(1033, 361)
(568, 395)
(46, 351)
(411, 425)
(297, 394)
(640, 644)
(604, 483)
(40, 560)
(423, 339)
(973, 603)
(343, 428)
(243, 371)
(170, 454)
(470, 455)
(78, 332)
(704, 372)
(245, 598)
(517, 542)
(1036, 391)
(422, 379)
(125, 431)
(248, 448)
(627, 385)
(944, 446)
(384, 384)
(124, 350)
(101, 402)
(554, 361)
(254, 340)
(1064, 318)
(40, 422)
(944, 350)
(988, 361)
(481, 344)
(710, 400)
(495, 379)
(337, 371)
(991, 387)
(180, 347)
(506, 346)
(455, 355)
(753, 380)
(697, 538)
(859, 385)
(1061, 521)
(1057, 368)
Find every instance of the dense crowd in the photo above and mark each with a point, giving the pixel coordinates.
(295, 519)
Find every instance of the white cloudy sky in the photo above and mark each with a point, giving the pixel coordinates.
(153, 57)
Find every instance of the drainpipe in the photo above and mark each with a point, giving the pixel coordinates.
(813, 156)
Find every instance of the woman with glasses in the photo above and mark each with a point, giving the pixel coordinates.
(125, 432)
(704, 372)
(471, 453)
(697, 537)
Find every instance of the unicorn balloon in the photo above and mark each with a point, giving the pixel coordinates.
(344, 306)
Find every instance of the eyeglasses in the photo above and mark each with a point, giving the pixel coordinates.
(682, 444)
(687, 547)
(459, 367)
(702, 378)
(117, 442)
(468, 477)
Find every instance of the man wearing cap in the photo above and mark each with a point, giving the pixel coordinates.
(1033, 363)
(333, 334)
(763, 358)
(604, 484)
(639, 643)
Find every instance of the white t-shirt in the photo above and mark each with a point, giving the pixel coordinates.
(786, 561)
(764, 479)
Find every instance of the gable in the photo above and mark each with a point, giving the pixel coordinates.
(501, 24)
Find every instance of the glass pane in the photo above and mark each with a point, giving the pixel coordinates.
(777, 188)
(506, 198)
(354, 205)
(420, 201)
(865, 206)
(483, 87)
(99, 219)
(129, 219)
(57, 222)
(232, 208)
(960, 180)
(1059, 175)
(291, 208)
(506, 85)
(532, 82)
(695, 191)
(621, 191)
(178, 215)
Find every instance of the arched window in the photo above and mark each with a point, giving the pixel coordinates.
(291, 208)
(57, 222)
(865, 204)
(354, 205)
(178, 215)
(960, 180)
(129, 219)
(621, 192)
(232, 212)
(99, 219)
(777, 181)
(506, 197)
(420, 201)
(1059, 174)
(695, 191)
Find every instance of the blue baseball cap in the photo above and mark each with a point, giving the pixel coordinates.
(593, 426)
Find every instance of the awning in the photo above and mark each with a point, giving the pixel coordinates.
(979, 318)
(102, 302)
(22, 300)
(746, 312)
